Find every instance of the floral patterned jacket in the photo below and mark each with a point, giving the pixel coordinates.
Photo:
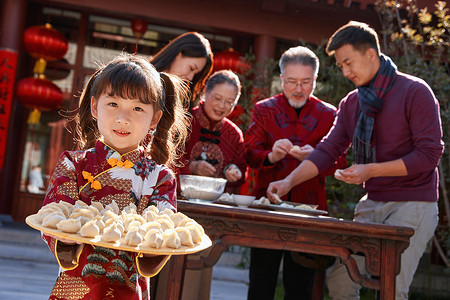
(102, 174)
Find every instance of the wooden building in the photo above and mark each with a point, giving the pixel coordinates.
(98, 30)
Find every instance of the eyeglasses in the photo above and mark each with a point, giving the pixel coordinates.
(292, 84)
(219, 100)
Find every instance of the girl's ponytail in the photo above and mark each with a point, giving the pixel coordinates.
(170, 134)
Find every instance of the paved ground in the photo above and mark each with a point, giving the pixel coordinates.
(28, 270)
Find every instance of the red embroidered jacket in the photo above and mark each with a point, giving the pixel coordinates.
(97, 272)
(275, 119)
(222, 142)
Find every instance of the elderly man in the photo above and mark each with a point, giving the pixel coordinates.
(392, 121)
(284, 130)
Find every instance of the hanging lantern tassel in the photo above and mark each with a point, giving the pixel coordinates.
(34, 116)
(39, 66)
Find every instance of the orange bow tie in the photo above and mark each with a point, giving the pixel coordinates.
(113, 162)
(95, 184)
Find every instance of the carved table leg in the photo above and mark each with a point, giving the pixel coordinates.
(176, 277)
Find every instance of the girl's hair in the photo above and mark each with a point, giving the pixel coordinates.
(190, 44)
(130, 77)
(221, 77)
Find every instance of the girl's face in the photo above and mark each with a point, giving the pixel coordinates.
(220, 101)
(123, 123)
(186, 67)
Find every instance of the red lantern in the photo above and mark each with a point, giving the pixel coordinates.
(45, 44)
(139, 27)
(39, 94)
(230, 60)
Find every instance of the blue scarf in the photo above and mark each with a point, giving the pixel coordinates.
(370, 103)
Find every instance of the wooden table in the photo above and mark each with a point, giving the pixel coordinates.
(382, 245)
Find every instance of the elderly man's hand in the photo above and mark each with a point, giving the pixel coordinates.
(301, 153)
(279, 150)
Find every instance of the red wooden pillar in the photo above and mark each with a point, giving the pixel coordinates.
(12, 23)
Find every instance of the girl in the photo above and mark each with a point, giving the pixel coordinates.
(189, 56)
(122, 103)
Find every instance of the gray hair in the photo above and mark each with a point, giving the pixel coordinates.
(299, 55)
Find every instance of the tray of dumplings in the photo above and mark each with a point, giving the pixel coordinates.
(152, 232)
(284, 206)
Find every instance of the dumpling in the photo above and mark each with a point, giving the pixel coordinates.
(109, 214)
(185, 236)
(111, 234)
(113, 207)
(46, 210)
(177, 218)
(83, 213)
(90, 229)
(150, 215)
(153, 238)
(98, 205)
(99, 222)
(192, 222)
(133, 237)
(52, 219)
(166, 217)
(196, 232)
(165, 224)
(80, 203)
(94, 210)
(152, 208)
(117, 223)
(184, 221)
(132, 218)
(64, 208)
(171, 239)
(168, 212)
(130, 208)
(151, 225)
(69, 225)
(133, 224)
(68, 205)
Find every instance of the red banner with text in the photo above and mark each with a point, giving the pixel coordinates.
(8, 64)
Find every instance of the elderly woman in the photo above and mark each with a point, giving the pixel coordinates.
(216, 146)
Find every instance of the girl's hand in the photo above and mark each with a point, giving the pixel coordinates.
(355, 174)
(201, 167)
(65, 241)
(301, 153)
(233, 174)
(279, 150)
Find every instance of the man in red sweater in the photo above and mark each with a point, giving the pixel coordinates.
(284, 130)
(393, 123)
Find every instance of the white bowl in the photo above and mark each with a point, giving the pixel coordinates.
(243, 200)
(202, 187)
